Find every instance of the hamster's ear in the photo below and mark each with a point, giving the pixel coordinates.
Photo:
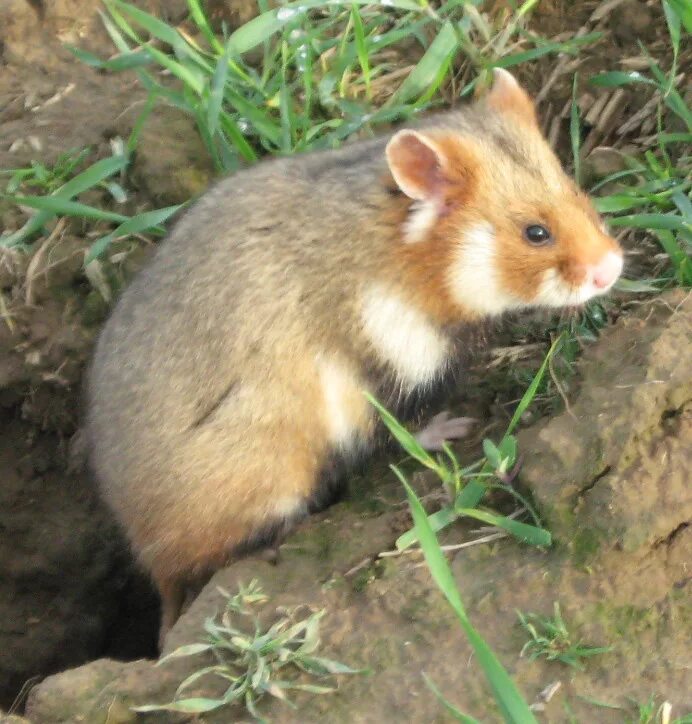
(507, 96)
(424, 167)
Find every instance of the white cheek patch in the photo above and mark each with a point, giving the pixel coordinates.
(345, 407)
(553, 291)
(403, 337)
(421, 219)
(473, 277)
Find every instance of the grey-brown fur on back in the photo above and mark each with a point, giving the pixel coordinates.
(203, 361)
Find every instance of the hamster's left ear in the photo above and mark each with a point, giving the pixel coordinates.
(431, 167)
(507, 96)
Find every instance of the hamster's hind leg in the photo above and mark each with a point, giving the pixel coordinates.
(172, 592)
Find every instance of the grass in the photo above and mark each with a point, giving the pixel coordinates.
(467, 485)
(328, 68)
(654, 191)
(550, 638)
(466, 488)
(650, 712)
(511, 703)
(63, 187)
(252, 663)
(46, 179)
(311, 74)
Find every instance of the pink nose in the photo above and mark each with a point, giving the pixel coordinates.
(606, 272)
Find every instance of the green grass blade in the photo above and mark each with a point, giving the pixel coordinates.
(530, 534)
(231, 129)
(114, 24)
(33, 225)
(451, 709)
(361, 47)
(134, 225)
(187, 706)
(527, 397)
(680, 260)
(636, 286)
(193, 79)
(474, 491)
(673, 22)
(615, 78)
(155, 27)
(683, 9)
(262, 121)
(123, 61)
(62, 207)
(435, 60)
(216, 92)
(575, 132)
(437, 521)
(525, 56)
(200, 19)
(407, 441)
(651, 221)
(133, 139)
(259, 29)
(92, 176)
(615, 203)
(511, 703)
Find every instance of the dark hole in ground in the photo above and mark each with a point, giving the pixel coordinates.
(69, 589)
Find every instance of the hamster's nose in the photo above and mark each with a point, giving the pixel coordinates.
(606, 272)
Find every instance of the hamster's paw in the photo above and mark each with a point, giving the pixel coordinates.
(441, 428)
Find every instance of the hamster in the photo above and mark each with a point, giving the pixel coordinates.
(229, 378)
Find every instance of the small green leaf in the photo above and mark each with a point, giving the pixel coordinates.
(615, 78)
(186, 706)
(62, 207)
(404, 437)
(134, 225)
(431, 68)
(448, 705)
(635, 286)
(492, 454)
(523, 531)
(182, 651)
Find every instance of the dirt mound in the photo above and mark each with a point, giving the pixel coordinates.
(630, 590)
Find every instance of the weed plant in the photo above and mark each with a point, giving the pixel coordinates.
(252, 662)
(550, 638)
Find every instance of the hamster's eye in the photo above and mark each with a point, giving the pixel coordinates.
(537, 235)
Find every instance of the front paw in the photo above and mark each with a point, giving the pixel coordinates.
(442, 428)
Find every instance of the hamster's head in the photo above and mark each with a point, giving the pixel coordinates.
(489, 198)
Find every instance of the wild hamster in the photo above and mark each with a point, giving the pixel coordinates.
(230, 375)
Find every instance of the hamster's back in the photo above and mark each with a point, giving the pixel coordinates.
(217, 336)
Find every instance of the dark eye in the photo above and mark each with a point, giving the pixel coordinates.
(537, 235)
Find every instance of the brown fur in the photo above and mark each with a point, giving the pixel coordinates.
(209, 409)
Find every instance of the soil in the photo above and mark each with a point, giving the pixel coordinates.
(69, 592)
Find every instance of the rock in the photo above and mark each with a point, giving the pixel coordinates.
(601, 162)
(233, 13)
(12, 719)
(633, 21)
(87, 694)
(616, 467)
(172, 164)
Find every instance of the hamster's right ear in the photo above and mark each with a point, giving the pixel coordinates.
(507, 96)
(426, 167)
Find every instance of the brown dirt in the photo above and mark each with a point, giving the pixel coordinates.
(68, 592)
